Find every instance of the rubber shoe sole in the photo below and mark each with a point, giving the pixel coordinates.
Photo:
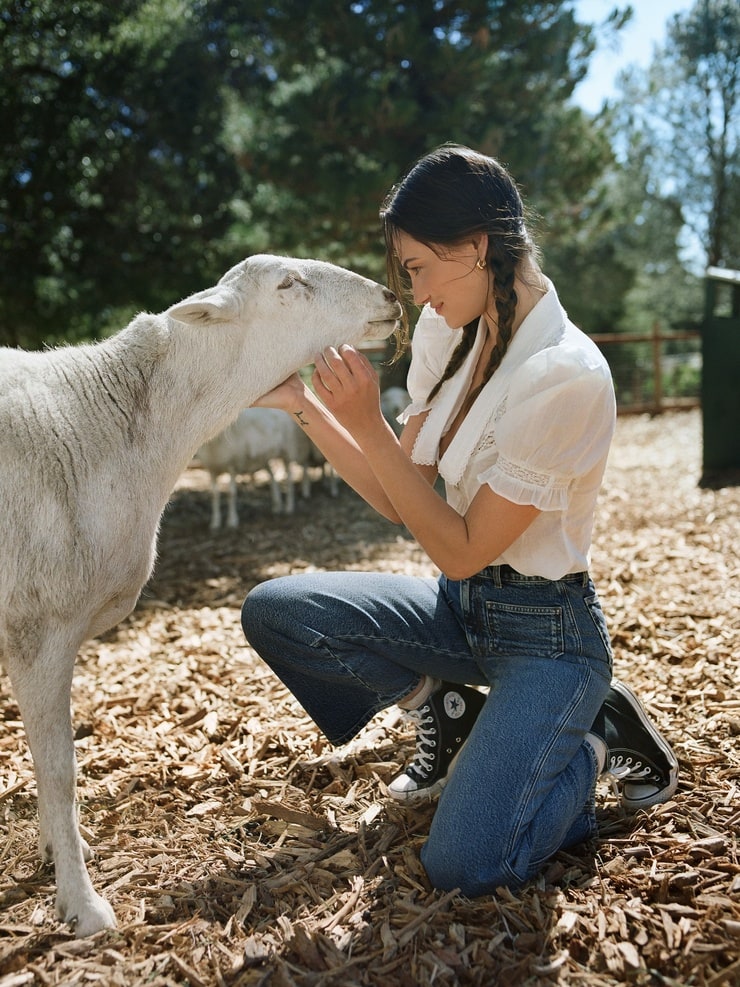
(428, 792)
(641, 796)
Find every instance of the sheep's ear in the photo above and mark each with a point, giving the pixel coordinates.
(213, 305)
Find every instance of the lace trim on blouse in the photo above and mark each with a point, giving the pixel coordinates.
(532, 478)
(488, 439)
(523, 485)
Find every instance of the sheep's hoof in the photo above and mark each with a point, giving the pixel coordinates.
(91, 915)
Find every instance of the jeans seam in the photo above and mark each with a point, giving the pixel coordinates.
(590, 807)
(574, 622)
(534, 778)
(352, 639)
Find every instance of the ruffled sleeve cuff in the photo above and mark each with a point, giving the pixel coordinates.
(415, 408)
(522, 485)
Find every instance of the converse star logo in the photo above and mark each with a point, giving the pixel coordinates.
(454, 705)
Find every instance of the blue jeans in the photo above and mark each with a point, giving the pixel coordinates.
(349, 644)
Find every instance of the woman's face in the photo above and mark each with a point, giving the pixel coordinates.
(448, 281)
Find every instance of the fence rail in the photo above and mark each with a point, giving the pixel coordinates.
(646, 377)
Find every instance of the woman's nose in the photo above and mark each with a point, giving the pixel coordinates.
(419, 295)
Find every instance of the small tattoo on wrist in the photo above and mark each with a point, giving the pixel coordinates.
(299, 416)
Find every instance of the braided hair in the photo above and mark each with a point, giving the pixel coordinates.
(448, 197)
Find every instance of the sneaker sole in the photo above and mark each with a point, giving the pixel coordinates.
(431, 791)
(667, 793)
(420, 794)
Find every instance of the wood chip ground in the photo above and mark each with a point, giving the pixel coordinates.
(238, 848)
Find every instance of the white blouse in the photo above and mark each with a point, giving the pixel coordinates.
(538, 432)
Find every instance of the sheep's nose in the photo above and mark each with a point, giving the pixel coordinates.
(389, 296)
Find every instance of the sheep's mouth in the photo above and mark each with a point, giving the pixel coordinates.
(389, 324)
(382, 328)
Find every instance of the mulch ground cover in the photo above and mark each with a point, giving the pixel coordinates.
(238, 848)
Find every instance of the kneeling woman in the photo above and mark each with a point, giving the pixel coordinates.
(514, 407)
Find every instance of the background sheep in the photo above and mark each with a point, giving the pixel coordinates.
(92, 440)
(393, 401)
(260, 438)
(315, 459)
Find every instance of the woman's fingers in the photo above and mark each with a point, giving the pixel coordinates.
(282, 395)
(334, 372)
(346, 382)
(323, 372)
(355, 361)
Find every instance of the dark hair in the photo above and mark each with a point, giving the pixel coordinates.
(449, 196)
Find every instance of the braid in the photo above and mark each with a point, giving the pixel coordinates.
(505, 299)
(459, 353)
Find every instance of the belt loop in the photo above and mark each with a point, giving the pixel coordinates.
(496, 572)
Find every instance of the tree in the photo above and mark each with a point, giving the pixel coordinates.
(114, 186)
(684, 115)
(150, 143)
(353, 93)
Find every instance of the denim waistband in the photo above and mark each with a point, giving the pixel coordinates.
(501, 574)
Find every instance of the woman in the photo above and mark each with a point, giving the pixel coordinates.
(514, 407)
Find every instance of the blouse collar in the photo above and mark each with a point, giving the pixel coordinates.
(542, 327)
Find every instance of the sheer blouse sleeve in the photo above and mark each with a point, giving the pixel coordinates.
(557, 426)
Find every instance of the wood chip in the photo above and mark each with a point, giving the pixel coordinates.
(238, 848)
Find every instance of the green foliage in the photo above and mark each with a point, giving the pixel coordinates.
(113, 189)
(353, 93)
(149, 144)
(682, 381)
(683, 118)
(647, 231)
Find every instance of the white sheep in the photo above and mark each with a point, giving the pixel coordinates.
(92, 441)
(254, 441)
(313, 458)
(305, 454)
(394, 400)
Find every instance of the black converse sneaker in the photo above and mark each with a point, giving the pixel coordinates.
(444, 722)
(638, 755)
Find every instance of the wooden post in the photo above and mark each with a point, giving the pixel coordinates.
(657, 371)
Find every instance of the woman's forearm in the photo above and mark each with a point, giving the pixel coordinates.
(458, 545)
(382, 473)
(343, 452)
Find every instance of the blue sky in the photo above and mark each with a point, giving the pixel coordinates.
(637, 41)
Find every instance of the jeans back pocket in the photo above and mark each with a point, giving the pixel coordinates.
(526, 629)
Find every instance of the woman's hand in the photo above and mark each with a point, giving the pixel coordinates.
(347, 384)
(288, 396)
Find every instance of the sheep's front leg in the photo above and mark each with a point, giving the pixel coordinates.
(215, 504)
(233, 518)
(305, 482)
(289, 488)
(277, 497)
(42, 685)
(333, 479)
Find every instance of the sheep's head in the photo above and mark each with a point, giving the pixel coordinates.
(317, 302)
